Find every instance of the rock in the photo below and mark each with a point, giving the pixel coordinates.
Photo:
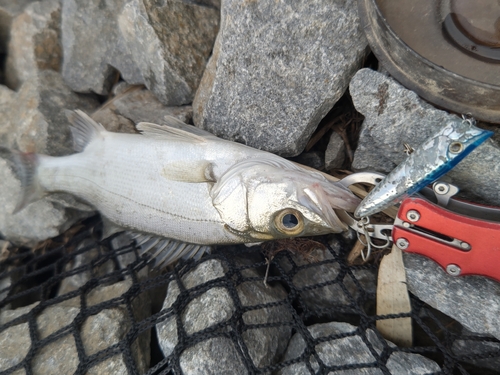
(335, 152)
(110, 326)
(351, 350)
(162, 45)
(93, 48)
(15, 341)
(473, 301)
(34, 121)
(34, 42)
(135, 104)
(8, 11)
(330, 298)
(472, 344)
(277, 69)
(216, 356)
(170, 42)
(98, 332)
(216, 306)
(313, 159)
(395, 115)
(84, 261)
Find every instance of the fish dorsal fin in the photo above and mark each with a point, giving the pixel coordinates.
(165, 251)
(83, 129)
(178, 124)
(168, 132)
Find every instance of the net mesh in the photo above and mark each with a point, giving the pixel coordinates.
(86, 284)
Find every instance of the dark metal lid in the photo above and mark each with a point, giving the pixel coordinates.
(447, 51)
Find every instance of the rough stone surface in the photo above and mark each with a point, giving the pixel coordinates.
(351, 350)
(466, 347)
(93, 47)
(164, 45)
(277, 69)
(135, 104)
(34, 42)
(473, 301)
(335, 152)
(170, 42)
(313, 159)
(395, 115)
(9, 9)
(265, 345)
(60, 357)
(14, 341)
(167, 330)
(328, 298)
(217, 356)
(84, 259)
(34, 121)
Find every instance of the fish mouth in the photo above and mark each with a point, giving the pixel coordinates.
(323, 202)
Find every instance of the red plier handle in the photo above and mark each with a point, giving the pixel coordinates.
(462, 245)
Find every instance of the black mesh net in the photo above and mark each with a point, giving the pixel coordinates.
(76, 304)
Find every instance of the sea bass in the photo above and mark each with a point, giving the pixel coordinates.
(181, 188)
(431, 160)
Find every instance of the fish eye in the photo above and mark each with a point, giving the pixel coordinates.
(456, 147)
(289, 222)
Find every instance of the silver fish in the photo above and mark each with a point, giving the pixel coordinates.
(181, 188)
(431, 160)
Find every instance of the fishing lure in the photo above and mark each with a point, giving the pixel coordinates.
(431, 160)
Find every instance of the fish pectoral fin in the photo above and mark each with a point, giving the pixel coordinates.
(109, 228)
(170, 133)
(164, 251)
(83, 129)
(189, 171)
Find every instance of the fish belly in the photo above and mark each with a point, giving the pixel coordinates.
(123, 178)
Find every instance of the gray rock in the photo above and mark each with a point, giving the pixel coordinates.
(8, 11)
(277, 69)
(93, 47)
(170, 42)
(395, 115)
(135, 104)
(351, 350)
(164, 45)
(34, 42)
(335, 152)
(265, 345)
(34, 121)
(465, 347)
(193, 322)
(473, 301)
(111, 325)
(216, 356)
(73, 282)
(98, 332)
(313, 159)
(328, 298)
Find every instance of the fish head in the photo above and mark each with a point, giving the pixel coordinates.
(262, 200)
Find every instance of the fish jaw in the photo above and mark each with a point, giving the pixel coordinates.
(431, 160)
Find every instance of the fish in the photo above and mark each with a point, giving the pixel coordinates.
(180, 189)
(435, 157)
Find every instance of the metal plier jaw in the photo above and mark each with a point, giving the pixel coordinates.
(462, 237)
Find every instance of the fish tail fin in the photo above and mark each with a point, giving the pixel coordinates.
(83, 129)
(25, 166)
